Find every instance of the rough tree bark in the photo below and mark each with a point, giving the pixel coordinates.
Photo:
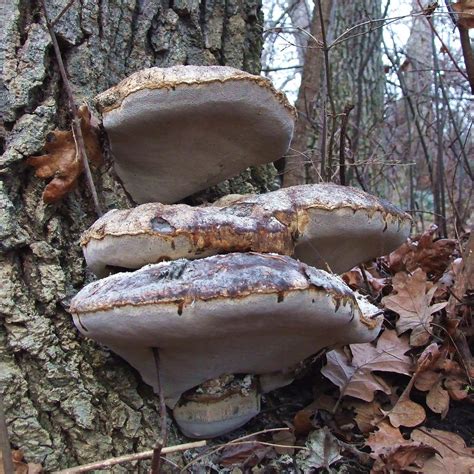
(69, 401)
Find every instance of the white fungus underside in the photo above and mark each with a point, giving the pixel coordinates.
(252, 335)
(170, 143)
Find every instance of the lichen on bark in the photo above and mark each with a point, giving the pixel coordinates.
(68, 400)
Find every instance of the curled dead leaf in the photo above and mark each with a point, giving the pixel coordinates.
(284, 438)
(303, 421)
(405, 458)
(62, 161)
(385, 435)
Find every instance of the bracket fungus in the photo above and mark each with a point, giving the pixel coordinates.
(240, 313)
(175, 131)
(325, 225)
(232, 315)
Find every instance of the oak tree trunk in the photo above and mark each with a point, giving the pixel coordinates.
(68, 400)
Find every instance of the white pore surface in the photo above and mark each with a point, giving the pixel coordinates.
(248, 335)
(339, 239)
(171, 143)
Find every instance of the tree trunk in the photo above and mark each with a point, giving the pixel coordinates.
(355, 76)
(301, 153)
(69, 401)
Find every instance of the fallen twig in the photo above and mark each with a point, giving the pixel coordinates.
(233, 442)
(107, 463)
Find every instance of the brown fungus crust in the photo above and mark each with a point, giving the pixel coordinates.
(321, 217)
(170, 78)
(232, 276)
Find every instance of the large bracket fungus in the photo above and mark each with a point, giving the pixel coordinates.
(325, 225)
(240, 313)
(232, 314)
(182, 129)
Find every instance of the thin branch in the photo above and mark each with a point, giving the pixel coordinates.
(62, 12)
(107, 463)
(76, 120)
(284, 68)
(342, 147)
(156, 459)
(230, 443)
(327, 173)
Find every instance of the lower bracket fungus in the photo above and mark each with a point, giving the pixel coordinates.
(240, 313)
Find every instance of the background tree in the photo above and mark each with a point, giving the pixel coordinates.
(355, 79)
(399, 92)
(68, 400)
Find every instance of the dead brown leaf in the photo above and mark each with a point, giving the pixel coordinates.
(248, 454)
(423, 252)
(303, 422)
(355, 280)
(284, 438)
(367, 415)
(385, 435)
(452, 457)
(407, 413)
(438, 399)
(20, 466)
(412, 302)
(355, 378)
(404, 458)
(465, 10)
(62, 161)
(393, 453)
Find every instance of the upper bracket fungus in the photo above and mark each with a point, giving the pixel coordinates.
(179, 130)
(325, 225)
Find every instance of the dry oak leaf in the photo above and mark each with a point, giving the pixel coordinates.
(62, 160)
(412, 303)
(453, 456)
(432, 256)
(465, 10)
(393, 453)
(354, 376)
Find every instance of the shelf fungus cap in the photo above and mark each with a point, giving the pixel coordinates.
(226, 314)
(327, 226)
(175, 131)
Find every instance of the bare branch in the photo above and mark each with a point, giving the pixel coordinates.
(76, 120)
